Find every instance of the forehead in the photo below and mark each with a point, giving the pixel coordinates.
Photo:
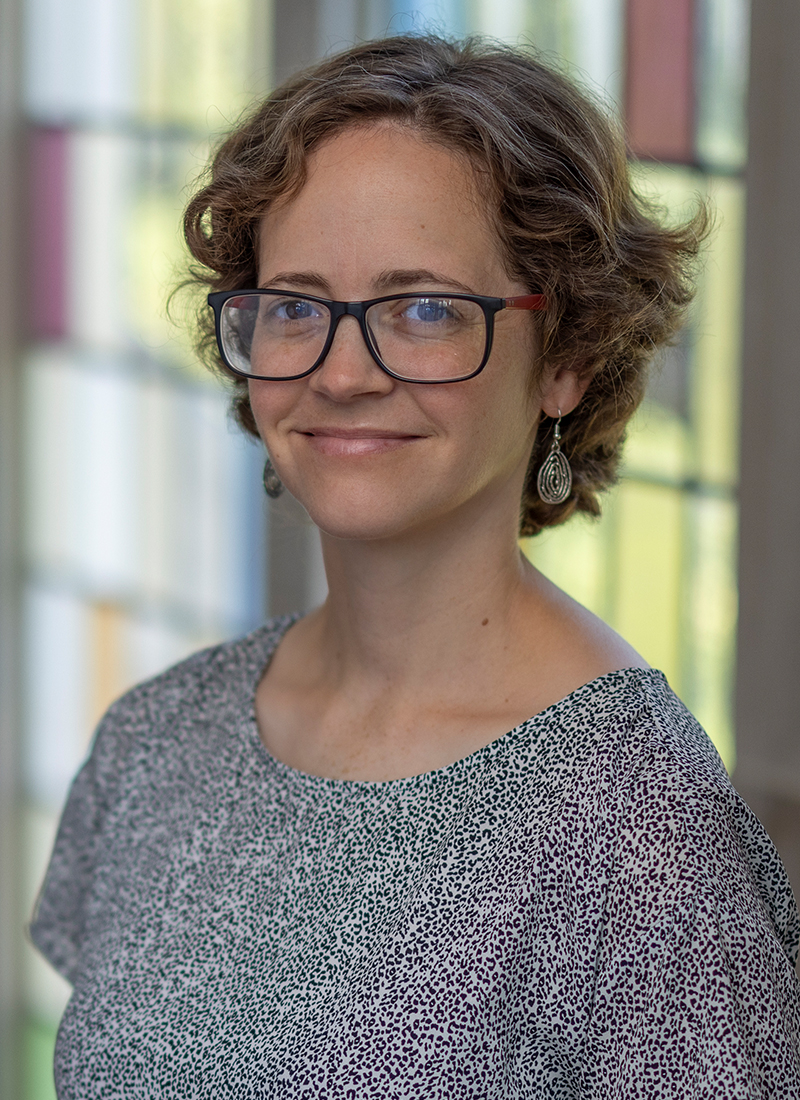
(384, 194)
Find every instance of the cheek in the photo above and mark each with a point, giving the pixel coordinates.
(498, 429)
(258, 410)
(269, 402)
(514, 401)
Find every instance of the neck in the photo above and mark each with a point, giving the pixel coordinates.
(413, 613)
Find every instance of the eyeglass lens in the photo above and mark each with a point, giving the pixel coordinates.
(430, 337)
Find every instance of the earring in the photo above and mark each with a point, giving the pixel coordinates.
(554, 480)
(273, 486)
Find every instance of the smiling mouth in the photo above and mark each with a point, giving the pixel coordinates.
(357, 441)
(359, 433)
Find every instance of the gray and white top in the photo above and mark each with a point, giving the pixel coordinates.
(583, 908)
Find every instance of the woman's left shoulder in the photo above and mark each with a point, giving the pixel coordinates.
(670, 740)
(629, 723)
(695, 989)
(678, 821)
(641, 726)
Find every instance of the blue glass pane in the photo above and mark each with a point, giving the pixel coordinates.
(58, 723)
(78, 59)
(721, 70)
(437, 16)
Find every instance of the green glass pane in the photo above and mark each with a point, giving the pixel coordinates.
(586, 35)
(38, 1042)
(646, 580)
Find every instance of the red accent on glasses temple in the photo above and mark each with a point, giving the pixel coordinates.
(527, 301)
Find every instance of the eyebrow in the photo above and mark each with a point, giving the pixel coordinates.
(398, 279)
(394, 280)
(305, 280)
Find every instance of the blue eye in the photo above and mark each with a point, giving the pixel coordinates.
(431, 310)
(296, 309)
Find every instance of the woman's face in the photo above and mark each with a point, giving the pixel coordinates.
(370, 457)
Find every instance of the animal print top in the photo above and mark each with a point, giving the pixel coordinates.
(583, 908)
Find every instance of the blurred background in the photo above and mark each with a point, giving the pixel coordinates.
(134, 527)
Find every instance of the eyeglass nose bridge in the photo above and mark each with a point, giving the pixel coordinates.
(358, 310)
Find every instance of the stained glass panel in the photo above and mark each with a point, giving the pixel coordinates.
(145, 528)
(660, 564)
(145, 532)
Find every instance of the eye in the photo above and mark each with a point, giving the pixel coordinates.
(294, 309)
(430, 310)
(285, 317)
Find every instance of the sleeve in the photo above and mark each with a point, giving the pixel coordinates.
(93, 847)
(59, 918)
(696, 994)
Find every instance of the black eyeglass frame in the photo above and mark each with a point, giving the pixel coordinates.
(490, 307)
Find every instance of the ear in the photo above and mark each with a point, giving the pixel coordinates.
(562, 391)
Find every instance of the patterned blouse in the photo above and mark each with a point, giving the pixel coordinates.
(583, 908)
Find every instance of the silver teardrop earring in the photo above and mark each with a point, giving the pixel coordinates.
(554, 480)
(273, 486)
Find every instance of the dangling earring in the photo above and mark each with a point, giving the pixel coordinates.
(273, 486)
(554, 480)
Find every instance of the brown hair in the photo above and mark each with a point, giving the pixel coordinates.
(569, 222)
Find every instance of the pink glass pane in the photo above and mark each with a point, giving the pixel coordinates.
(47, 255)
(659, 84)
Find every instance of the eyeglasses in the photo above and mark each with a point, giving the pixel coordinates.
(426, 338)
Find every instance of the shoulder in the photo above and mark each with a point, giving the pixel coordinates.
(215, 671)
(165, 747)
(676, 825)
(204, 691)
(648, 733)
(699, 931)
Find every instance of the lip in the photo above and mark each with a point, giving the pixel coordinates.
(336, 440)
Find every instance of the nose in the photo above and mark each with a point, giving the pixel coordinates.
(349, 370)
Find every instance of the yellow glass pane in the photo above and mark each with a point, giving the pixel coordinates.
(709, 447)
(575, 557)
(156, 258)
(673, 188)
(626, 568)
(658, 444)
(711, 606)
(715, 374)
(646, 574)
(197, 61)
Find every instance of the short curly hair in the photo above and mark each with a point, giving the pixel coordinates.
(556, 175)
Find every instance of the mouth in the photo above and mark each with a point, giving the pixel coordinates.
(336, 440)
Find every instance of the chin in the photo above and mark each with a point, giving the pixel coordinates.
(355, 526)
(365, 516)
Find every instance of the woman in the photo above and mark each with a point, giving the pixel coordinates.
(339, 858)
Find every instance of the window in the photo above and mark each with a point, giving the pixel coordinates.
(145, 529)
(145, 524)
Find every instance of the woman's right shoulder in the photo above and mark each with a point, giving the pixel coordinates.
(192, 693)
